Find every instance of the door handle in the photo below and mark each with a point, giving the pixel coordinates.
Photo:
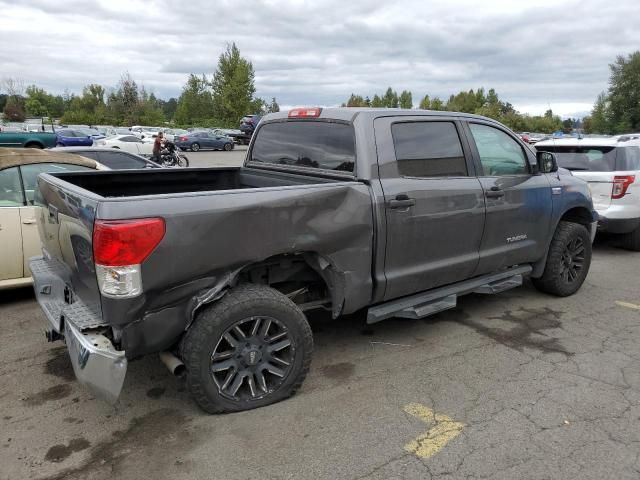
(29, 221)
(494, 192)
(401, 201)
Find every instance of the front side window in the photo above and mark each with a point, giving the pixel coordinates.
(499, 153)
(428, 149)
(312, 144)
(10, 188)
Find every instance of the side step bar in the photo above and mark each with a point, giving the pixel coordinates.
(427, 303)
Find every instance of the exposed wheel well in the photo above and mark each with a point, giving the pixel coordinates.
(299, 276)
(33, 145)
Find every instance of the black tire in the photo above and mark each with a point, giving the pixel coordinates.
(183, 161)
(34, 145)
(631, 240)
(195, 147)
(568, 261)
(247, 361)
(228, 147)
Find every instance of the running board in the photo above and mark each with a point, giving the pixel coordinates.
(427, 303)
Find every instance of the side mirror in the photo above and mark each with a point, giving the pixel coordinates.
(547, 162)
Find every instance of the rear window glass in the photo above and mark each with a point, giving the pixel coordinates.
(584, 158)
(313, 144)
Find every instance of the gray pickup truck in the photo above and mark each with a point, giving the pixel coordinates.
(396, 212)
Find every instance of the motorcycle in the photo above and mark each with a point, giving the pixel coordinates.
(169, 156)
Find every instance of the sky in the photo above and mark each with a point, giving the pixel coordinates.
(536, 54)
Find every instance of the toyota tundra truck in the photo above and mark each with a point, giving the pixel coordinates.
(395, 213)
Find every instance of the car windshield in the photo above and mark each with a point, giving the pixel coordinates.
(591, 159)
(314, 144)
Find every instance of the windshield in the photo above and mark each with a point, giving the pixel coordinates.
(591, 159)
(314, 144)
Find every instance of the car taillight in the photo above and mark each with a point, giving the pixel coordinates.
(183, 139)
(305, 112)
(119, 247)
(621, 184)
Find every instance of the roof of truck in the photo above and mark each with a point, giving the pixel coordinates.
(350, 113)
(11, 157)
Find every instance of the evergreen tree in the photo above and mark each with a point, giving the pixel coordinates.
(405, 100)
(425, 103)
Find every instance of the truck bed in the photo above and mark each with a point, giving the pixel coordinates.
(167, 181)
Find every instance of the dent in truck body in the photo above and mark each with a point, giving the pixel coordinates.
(211, 238)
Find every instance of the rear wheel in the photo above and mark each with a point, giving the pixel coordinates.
(250, 349)
(34, 145)
(195, 147)
(227, 147)
(568, 260)
(631, 240)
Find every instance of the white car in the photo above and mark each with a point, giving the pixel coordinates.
(19, 169)
(145, 132)
(611, 167)
(170, 133)
(128, 143)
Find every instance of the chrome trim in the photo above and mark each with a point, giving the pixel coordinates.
(96, 363)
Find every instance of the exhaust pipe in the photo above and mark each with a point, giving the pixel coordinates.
(173, 363)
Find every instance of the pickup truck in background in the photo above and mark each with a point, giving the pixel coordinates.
(398, 212)
(28, 139)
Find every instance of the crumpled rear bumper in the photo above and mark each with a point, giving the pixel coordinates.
(96, 363)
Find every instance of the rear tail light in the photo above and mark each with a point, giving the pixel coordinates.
(183, 139)
(119, 248)
(621, 184)
(305, 112)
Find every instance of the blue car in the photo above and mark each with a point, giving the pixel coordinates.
(68, 137)
(195, 141)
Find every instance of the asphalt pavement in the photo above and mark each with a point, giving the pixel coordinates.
(519, 385)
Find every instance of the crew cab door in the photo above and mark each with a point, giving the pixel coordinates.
(434, 204)
(518, 202)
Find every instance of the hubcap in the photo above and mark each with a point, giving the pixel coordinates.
(252, 358)
(572, 260)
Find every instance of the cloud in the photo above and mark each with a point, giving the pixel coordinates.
(535, 54)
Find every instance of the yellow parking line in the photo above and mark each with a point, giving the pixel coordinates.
(436, 438)
(633, 306)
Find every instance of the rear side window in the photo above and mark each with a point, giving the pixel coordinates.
(584, 158)
(313, 144)
(121, 161)
(428, 149)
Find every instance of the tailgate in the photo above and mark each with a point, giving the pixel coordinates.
(600, 184)
(66, 275)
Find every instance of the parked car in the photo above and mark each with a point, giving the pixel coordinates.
(111, 158)
(129, 143)
(18, 230)
(145, 132)
(395, 211)
(122, 131)
(249, 123)
(611, 166)
(94, 133)
(13, 139)
(200, 140)
(67, 137)
(171, 133)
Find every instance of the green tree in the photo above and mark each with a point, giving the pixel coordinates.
(14, 110)
(405, 100)
(624, 93)
(599, 121)
(377, 102)
(195, 105)
(273, 106)
(425, 103)
(37, 101)
(233, 87)
(390, 98)
(437, 104)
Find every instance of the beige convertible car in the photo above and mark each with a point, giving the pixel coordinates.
(19, 238)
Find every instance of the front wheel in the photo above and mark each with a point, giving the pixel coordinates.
(250, 349)
(568, 260)
(228, 147)
(195, 147)
(182, 160)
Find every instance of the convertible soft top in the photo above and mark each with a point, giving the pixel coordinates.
(11, 157)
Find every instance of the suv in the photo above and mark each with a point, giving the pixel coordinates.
(248, 123)
(611, 166)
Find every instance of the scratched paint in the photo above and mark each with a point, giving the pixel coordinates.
(632, 306)
(437, 437)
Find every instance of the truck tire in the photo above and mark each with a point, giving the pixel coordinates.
(34, 145)
(631, 240)
(250, 349)
(568, 260)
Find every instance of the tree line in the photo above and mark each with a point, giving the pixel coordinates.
(220, 100)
